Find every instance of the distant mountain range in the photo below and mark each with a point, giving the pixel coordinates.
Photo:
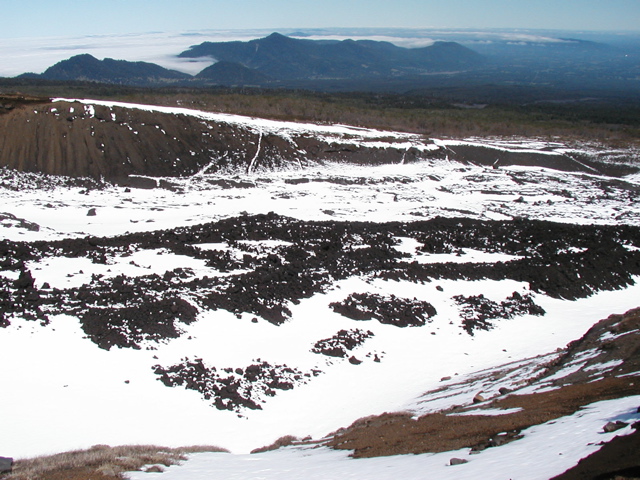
(273, 59)
(286, 58)
(559, 63)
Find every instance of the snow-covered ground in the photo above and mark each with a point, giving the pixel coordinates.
(545, 451)
(60, 391)
(407, 192)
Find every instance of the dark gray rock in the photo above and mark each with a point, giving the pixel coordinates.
(613, 426)
(457, 461)
(6, 464)
(24, 281)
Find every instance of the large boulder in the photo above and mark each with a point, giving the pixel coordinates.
(6, 464)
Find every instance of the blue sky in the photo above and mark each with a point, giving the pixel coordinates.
(25, 18)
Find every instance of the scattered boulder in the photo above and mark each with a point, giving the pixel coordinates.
(613, 426)
(354, 361)
(390, 310)
(479, 398)
(341, 342)
(234, 389)
(457, 461)
(91, 212)
(497, 440)
(24, 281)
(477, 311)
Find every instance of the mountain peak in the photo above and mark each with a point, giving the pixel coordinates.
(88, 68)
(276, 35)
(277, 38)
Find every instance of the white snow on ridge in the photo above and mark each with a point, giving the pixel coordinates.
(271, 126)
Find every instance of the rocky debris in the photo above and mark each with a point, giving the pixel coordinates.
(25, 280)
(476, 311)
(457, 461)
(391, 310)
(342, 342)
(497, 440)
(614, 426)
(92, 212)
(6, 464)
(227, 183)
(17, 181)
(145, 321)
(233, 389)
(9, 220)
(309, 258)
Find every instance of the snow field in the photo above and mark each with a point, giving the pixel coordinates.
(545, 451)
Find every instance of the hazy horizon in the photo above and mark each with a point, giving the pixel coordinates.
(41, 18)
(35, 54)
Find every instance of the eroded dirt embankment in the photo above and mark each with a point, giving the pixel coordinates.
(113, 142)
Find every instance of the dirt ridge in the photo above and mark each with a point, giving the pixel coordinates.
(78, 139)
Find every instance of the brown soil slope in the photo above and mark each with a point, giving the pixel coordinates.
(74, 139)
(614, 341)
(113, 142)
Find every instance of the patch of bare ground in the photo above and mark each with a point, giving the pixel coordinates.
(616, 460)
(607, 359)
(102, 462)
(10, 101)
(285, 441)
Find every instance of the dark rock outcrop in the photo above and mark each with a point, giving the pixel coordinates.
(6, 464)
